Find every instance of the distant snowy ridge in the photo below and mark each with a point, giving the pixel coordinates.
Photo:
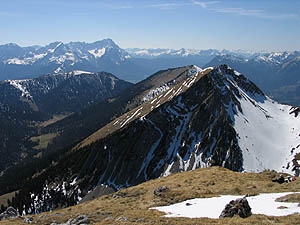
(70, 52)
(184, 52)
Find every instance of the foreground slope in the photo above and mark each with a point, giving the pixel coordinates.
(213, 117)
(131, 205)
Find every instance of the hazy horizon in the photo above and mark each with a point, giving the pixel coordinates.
(196, 49)
(257, 25)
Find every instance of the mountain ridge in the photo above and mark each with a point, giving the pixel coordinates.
(213, 121)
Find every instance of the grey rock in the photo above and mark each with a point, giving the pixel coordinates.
(161, 189)
(239, 207)
(140, 220)
(28, 220)
(99, 191)
(122, 219)
(80, 220)
(10, 212)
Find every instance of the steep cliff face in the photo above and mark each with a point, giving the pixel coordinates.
(212, 117)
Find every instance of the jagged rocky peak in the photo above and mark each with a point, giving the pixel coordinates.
(227, 74)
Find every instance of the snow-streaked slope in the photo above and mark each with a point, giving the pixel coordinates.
(212, 207)
(267, 133)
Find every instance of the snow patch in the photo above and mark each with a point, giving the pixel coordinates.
(79, 72)
(194, 71)
(212, 207)
(97, 52)
(18, 85)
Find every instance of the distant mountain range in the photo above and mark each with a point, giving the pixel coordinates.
(205, 54)
(133, 64)
(176, 120)
(28, 62)
(278, 74)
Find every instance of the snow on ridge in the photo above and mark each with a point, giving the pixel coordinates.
(97, 53)
(79, 72)
(25, 61)
(194, 70)
(17, 61)
(212, 207)
(155, 92)
(53, 50)
(18, 85)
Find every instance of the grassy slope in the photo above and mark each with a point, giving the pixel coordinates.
(146, 108)
(4, 198)
(134, 202)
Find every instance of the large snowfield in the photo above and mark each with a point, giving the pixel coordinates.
(212, 207)
(268, 135)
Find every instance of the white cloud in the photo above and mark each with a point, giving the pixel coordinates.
(165, 5)
(258, 13)
(253, 12)
(204, 4)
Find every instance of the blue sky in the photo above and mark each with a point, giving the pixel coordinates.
(201, 24)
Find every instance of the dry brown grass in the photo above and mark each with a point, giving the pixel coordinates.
(144, 109)
(43, 140)
(54, 119)
(134, 203)
(4, 198)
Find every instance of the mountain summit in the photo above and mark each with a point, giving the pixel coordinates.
(29, 62)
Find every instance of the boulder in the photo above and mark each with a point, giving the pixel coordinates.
(239, 207)
(160, 189)
(28, 220)
(10, 212)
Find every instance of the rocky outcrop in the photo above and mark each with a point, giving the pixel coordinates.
(80, 220)
(99, 191)
(160, 189)
(239, 207)
(9, 213)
